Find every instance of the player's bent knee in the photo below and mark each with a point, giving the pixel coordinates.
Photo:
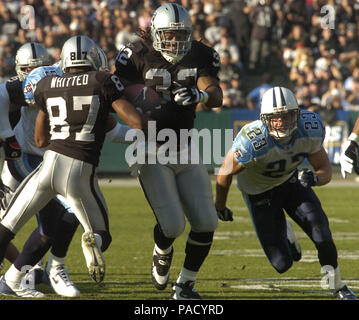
(208, 223)
(173, 230)
(280, 261)
(282, 266)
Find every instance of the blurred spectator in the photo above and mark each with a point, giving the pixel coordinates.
(227, 101)
(255, 96)
(227, 45)
(236, 93)
(294, 12)
(263, 19)
(350, 47)
(353, 95)
(335, 96)
(345, 12)
(213, 32)
(227, 70)
(348, 83)
(239, 22)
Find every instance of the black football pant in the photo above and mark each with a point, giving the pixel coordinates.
(303, 206)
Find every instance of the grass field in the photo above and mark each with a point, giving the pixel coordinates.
(236, 267)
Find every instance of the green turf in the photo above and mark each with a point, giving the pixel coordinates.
(236, 267)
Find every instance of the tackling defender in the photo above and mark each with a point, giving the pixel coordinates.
(184, 73)
(265, 157)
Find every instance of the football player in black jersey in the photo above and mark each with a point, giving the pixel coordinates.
(56, 223)
(75, 108)
(184, 73)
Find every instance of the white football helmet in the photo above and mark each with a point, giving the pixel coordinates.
(80, 51)
(280, 101)
(171, 17)
(104, 62)
(30, 55)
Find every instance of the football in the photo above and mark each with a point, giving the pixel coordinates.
(142, 97)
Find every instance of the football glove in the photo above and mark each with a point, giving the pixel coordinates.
(185, 96)
(307, 178)
(225, 214)
(349, 158)
(12, 149)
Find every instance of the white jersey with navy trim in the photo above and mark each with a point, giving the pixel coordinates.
(24, 130)
(267, 162)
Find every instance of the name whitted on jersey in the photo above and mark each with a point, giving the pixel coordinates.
(81, 80)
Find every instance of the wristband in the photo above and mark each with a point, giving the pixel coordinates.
(203, 96)
(354, 137)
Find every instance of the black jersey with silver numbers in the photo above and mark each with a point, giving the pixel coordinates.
(78, 105)
(140, 63)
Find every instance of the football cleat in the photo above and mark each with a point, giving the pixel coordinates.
(345, 293)
(91, 247)
(17, 290)
(61, 282)
(160, 270)
(184, 291)
(39, 272)
(294, 245)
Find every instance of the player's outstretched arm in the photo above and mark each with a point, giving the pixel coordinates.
(127, 113)
(229, 167)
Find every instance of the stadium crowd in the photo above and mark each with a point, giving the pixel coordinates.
(322, 64)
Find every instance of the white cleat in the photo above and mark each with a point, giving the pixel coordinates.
(10, 288)
(61, 282)
(91, 247)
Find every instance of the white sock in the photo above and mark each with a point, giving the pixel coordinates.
(13, 275)
(163, 251)
(187, 275)
(338, 283)
(54, 261)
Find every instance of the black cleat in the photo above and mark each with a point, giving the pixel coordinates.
(160, 269)
(184, 291)
(345, 293)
